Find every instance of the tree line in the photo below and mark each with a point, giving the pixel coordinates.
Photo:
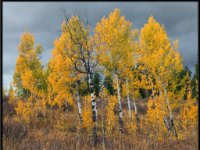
(118, 63)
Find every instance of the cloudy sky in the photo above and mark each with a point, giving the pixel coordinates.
(43, 19)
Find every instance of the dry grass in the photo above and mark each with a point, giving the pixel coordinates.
(58, 131)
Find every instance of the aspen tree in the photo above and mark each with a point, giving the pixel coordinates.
(28, 76)
(59, 75)
(128, 73)
(159, 56)
(63, 79)
(79, 50)
(112, 44)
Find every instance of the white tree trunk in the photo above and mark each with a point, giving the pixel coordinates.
(135, 107)
(166, 122)
(128, 99)
(134, 104)
(78, 103)
(103, 129)
(136, 112)
(119, 103)
(169, 125)
(170, 113)
(94, 108)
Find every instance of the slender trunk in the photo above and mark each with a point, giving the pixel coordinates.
(135, 107)
(80, 117)
(165, 117)
(170, 113)
(102, 122)
(78, 104)
(128, 99)
(166, 122)
(153, 93)
(170, 125)
(134, 104)
(136, 112)
(66, 107)
(101, 94)
(94, 108)
(119, 104)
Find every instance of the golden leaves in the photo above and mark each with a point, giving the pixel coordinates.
(26, 42)
(117, 47)
(61, 74)
(27, 79)
(156, 52)
(111, 118)
(24, 110)
(112, 40)
(29, 72)
(87, 113)
(189, 114)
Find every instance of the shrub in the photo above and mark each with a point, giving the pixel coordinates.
(13, 129)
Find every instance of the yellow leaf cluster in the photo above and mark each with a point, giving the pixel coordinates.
(189, 114)
(11, 94)
(87, 113)
(28, 66)
(24, 110)
(61, 74)
(156, 51)
(154, 118)
(112, 41)
(110, 116)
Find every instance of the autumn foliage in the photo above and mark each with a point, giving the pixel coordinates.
(142, 93)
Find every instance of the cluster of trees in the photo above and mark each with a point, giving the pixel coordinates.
(117, 63)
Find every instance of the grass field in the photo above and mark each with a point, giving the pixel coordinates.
(58, 130)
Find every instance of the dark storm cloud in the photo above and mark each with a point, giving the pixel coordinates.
(43, 19)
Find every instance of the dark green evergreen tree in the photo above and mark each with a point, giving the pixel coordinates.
(195, 81)
(108, 82)
(96, 83)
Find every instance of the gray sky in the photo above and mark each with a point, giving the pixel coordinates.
(43, 19)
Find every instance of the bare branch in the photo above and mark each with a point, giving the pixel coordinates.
(77, 69)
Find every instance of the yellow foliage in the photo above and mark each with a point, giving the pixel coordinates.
(29, 73)
(154, 118)
(156, 52)
(27, 110)
(11, 94)
(112, 41)
(189, 114)
(24, 110)
(87, 113)
(147, 59)
(27, 42)
(110, 116)
(136, 94)
(28, 80)
(131, 125)
(61, 74)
